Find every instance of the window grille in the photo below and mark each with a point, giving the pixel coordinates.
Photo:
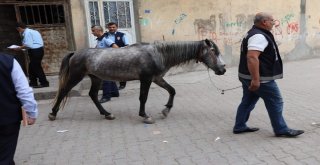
(42, 14)
(118, 12)
(94, 13)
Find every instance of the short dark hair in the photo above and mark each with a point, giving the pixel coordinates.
(97, 27)
(21, 25)
(112, 23)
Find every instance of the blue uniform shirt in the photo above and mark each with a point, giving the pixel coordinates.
(124, 38)
(103, 42)
(32, 39)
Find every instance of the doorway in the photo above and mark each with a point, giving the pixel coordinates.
(101, 12)
(9, 35)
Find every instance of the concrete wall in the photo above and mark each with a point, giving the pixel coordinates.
(297, 28)
(79, 23)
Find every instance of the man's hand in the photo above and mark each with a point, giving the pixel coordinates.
(254, 85)
(31, 121)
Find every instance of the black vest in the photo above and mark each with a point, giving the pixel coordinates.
(270, 63)
(118, 38)
(10, 106)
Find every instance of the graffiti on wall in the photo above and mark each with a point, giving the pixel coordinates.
(180, 18)
(206, 28)
(286, 26)
(178, 21)
(144, 21)
(231, 32)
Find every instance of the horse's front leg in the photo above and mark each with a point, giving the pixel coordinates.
(162, 83)
(144, 90)
(93, 93)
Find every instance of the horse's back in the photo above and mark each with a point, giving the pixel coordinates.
(127, 63)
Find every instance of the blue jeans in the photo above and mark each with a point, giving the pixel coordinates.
(272, 98)
(109, 88)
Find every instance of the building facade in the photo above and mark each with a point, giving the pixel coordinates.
(66, 24)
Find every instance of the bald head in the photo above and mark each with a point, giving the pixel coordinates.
(264, 20)
(261, 17)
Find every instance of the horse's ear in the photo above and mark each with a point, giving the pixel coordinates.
(208, 42)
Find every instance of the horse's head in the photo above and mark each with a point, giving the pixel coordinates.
(211, 57)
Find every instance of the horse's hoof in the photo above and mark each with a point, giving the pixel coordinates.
(51, 117)
(148, 120)
(110, 117)
(165, 112)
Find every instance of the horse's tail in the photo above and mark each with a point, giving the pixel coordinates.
(63, 79)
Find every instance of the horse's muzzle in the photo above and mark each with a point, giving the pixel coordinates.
(220, 70)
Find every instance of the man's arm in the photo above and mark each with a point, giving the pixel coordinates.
(125, 40)
(110, 43)
(114, 45)
(24, 93)
(253, 67)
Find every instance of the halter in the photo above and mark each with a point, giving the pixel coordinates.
(219, 89)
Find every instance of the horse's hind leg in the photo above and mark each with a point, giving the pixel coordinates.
(93, 93)
(162, 83)
(69, 83)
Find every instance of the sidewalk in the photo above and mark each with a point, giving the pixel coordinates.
(198, 130)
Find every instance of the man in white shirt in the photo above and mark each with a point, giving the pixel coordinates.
(260, 65)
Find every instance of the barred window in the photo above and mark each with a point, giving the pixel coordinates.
(118, 12)
(42, 14)
(94, 13)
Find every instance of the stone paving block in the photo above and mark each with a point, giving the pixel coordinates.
(217, 158)
(310, 161)
(271, 160)
(290, 160)
(184, 160)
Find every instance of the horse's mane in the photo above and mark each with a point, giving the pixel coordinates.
(178, 53)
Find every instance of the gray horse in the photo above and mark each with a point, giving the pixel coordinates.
(145, 62)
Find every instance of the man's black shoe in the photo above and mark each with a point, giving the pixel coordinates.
(32, 84)
(290, 133)
(248, 129)
(103, 100)
(121, 87)
(41, 86)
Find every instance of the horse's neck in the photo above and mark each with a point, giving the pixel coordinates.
(179, 53)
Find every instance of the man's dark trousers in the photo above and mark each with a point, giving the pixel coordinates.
(35, 68)
(110, 89)
(8, 142)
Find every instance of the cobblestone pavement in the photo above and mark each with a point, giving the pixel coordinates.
(197, 131)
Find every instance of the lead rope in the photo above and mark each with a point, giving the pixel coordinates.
(219, 89)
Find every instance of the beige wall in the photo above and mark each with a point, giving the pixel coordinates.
(223, 21)
(79, 24)
(226, 21)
